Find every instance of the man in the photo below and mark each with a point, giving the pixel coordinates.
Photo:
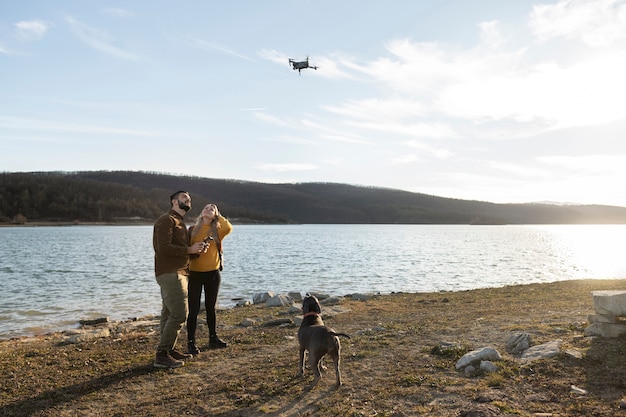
(171, 259)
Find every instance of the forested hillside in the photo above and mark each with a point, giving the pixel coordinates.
(126, 196)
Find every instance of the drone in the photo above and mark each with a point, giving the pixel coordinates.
(300, 65)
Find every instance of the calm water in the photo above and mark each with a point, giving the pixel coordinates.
(54, 276)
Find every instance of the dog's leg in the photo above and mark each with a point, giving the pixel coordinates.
(322, 366)
(301, 362)
(314, 361)
(336, 361)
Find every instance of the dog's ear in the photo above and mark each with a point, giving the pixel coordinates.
(309, 304)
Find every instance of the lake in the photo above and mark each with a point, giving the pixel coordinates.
(54, 276)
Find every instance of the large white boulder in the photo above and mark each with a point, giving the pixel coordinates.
(610, 302)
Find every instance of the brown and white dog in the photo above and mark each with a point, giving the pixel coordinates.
(317, 339)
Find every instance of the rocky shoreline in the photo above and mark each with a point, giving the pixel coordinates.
(102, 327)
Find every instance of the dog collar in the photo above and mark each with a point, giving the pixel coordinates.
(311, 313)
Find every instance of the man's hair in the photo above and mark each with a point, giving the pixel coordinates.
(177, 193)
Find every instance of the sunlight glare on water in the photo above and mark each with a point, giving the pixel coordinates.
(597, 249)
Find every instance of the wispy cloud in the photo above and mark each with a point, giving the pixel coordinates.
(5, 51)
(31, 30)
(274, 56)
(273, 120)
(214, 46)
(392, 108)
(98, 40)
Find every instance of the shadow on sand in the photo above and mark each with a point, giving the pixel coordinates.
(605, 368)
(52, 398)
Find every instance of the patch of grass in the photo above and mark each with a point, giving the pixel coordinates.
(411, 380)
(451, 351)
(494, 380)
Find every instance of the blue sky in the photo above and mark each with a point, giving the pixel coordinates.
(494, 100)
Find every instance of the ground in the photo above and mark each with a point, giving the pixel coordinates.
(393, 365)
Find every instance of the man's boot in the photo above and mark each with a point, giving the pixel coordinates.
(164, 360)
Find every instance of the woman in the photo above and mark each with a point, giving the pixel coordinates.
(204, 272)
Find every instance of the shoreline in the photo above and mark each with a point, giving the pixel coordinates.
(399, 361)
(235, 304)
(80, 323)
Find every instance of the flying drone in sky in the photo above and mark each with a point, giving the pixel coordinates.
(300, 65)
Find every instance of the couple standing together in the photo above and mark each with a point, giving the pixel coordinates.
(186, 261)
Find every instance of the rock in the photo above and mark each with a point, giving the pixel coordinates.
(610, 302)
(262, 297)
(331, 301)
(606, 330)
(609, 306)
(134, 326)
(294, 309)
(295, 296)
(88, 335)
(518, 343)
(544, 351)
(361, 297)
(475, 356)
(488, 367)
(280, 300)
(320, 295)
(92, 322)
(600, 318)
(574, 353)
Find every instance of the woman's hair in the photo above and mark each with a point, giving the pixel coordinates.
(215, 224)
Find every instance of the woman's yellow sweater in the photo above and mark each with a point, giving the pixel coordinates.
(210, 260)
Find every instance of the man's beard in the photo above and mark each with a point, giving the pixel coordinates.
(184, 207)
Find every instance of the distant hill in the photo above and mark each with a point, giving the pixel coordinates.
(128, 196)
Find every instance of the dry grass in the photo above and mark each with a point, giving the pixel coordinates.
(392, 365)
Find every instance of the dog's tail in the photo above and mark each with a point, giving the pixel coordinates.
(339, 334)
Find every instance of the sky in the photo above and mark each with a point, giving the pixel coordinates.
(507, 101)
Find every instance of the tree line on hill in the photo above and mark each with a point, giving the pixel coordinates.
(140, 197)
